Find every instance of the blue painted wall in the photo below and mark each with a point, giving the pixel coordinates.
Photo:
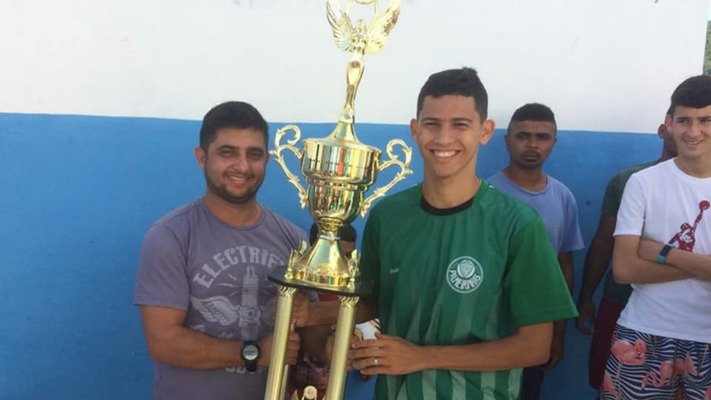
(78, 192)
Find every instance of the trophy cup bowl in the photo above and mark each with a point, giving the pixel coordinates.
(338, 173)
(337, 176)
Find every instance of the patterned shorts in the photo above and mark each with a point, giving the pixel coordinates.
(648, 367)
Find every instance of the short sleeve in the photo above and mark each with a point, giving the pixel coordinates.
(534, 283)
(161, 279)
(613, 194)
(572, 235)
(631, 216)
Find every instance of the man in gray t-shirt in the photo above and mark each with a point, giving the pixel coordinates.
(530, 138)
(202, 282)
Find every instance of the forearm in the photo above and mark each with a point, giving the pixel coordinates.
(516, 351)
(698, 265)
(326, 313)
(599, 256)
(695, 265)
(184, 347)
(630, 265)
(596, 263)
(642, 271)
(567, 268)
(559, 329)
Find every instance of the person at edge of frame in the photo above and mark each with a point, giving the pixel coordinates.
(661, 346)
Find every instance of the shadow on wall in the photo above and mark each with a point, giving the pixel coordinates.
(79, 192)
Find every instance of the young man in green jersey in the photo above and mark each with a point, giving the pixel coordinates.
(466, 282)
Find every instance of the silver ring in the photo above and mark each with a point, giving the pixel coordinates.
(375, 361)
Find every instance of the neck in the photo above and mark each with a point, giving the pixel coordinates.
(233, 214)
(441, 194)
(665, 155)
(698, 168)
(530, 179)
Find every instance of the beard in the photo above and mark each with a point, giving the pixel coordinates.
(224, 194)
(530, 160)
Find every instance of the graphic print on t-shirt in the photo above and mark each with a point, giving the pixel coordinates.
(231, 293)
(247, 314)
(686, 237)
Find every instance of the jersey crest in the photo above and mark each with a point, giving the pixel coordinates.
(464, 274)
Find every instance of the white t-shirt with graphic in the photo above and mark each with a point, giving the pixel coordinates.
(218, 274)
(664, 204)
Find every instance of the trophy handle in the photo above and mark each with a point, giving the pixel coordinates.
(290, 145)
(392, 160)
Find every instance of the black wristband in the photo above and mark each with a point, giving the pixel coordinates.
(250, 354)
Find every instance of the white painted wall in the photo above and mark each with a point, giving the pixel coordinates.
(602, 65)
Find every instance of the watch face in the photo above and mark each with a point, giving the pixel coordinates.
(250, 352)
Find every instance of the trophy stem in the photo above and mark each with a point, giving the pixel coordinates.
(284, 382)
(353, 76)
(329, 227)
(277, 367)
(344, 331)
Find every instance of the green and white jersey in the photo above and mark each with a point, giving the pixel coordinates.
(459, 276)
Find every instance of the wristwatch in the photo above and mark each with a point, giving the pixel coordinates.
(250, 354)
(662, 256)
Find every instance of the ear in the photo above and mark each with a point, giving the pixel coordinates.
(668, 120)
(662, 130)
(413, 128)
(488, 131)
(200, 157)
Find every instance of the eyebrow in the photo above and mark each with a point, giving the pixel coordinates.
(462, 119)
(232, 147)
(527, 133)
(455, 119)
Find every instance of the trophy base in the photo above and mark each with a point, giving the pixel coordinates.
(361, 289)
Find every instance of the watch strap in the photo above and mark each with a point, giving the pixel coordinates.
(662, 256)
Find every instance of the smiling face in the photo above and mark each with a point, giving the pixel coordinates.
(691, 130)
(529, 143)
(234, 164)
(448, 132)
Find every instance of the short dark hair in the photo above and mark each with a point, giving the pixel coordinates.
(694, 92)
(533, 112)
(231, 114)
(462, 82)
(347, 233)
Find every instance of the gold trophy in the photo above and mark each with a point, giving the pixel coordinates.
(338, 171)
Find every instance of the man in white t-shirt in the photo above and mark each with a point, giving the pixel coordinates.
(661, 348)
